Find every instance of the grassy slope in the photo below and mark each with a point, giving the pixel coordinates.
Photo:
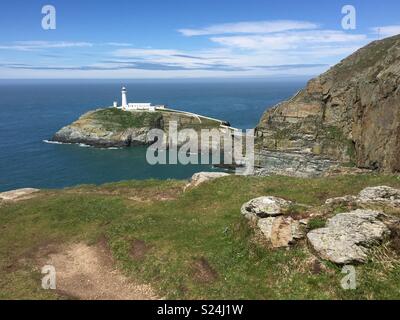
(203, 223)
(117, 119)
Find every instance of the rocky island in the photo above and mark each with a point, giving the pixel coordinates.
(113, 127)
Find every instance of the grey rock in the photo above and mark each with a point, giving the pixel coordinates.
(202, 177)
(264, 207)
(295, 164)
(349, 114)
(348, 237)
(380, 194)
(346, 200)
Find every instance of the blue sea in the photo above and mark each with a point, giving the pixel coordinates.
(32, 111)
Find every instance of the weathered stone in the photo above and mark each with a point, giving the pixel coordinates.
(291, 164)
(18, 195)
(264, 207)
(201, 177)
(381, 194)
(281, 231)
(347, 237)
(346, 200)
(382, 197)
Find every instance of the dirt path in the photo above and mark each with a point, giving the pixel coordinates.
(87, 272)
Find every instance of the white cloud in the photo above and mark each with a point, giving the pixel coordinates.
(260, 48)
(387, 31)
(288, 40)
(35, 45)
(254, 27)
(117, 44)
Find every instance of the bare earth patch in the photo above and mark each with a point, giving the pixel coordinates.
(203, 272)
(87, 273)
(139, 249)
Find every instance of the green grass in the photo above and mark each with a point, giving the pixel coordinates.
(202, 223)
(113, 119)
(316, 223)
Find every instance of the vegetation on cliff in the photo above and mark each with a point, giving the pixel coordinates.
(116, 119)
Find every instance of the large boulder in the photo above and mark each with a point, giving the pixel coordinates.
(348, 237)
(265, 207)
(201, 177)
(267, 215)
(281, 231)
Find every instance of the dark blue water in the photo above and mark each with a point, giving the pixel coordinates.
(32, 111)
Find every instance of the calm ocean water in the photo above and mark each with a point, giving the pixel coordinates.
(32, 111)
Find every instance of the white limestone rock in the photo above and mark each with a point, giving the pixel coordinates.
(281, 231)
(265, 207)
(18, 195)
(347, 237)
(201, 177)
(382, 194)
(371, 197)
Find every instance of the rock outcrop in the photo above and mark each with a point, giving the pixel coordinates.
(113, 127)
(202, 177)
(264, 207)
(18, 195)
(348, 237)
(381, 197)
(268, 215)
(281, 231)
(348, 115)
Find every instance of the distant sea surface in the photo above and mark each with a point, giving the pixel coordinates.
(32, 111)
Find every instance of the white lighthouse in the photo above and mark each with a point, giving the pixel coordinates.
(125, 106)
(124, 99)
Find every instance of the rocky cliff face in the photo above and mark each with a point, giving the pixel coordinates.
(348, 115)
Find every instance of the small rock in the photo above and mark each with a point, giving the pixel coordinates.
(18, 195)
(265, 207)
(346, 200)
(281, 231)
(201, 177)
(347, 237)
(382, 194)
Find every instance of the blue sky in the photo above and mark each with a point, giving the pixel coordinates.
(185, 39)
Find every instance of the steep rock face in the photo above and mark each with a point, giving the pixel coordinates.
(350, 114)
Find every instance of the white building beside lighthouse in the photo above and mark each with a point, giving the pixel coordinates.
(126, 106)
